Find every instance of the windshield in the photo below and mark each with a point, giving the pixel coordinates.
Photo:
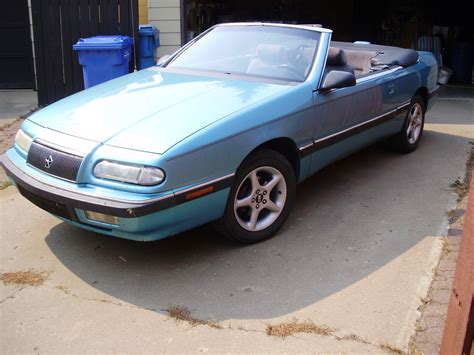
(268, 51)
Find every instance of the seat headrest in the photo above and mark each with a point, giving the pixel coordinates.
(336, 57)
(272, 53)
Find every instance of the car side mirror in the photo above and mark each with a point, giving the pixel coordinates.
(336, 79)
(163, 60)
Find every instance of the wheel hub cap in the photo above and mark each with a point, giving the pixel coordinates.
(260, 198)
(415, 122)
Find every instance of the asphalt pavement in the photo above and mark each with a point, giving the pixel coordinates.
(355, 259)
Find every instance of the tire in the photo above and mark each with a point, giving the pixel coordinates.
(254, 211)
(407, 140)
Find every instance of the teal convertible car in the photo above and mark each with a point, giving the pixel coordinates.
(222, 131)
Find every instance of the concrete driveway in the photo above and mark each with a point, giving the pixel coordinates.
(14, 103)
(350, 267)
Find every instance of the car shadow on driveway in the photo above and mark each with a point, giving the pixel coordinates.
(349, 220)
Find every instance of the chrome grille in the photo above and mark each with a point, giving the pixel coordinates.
(54, 162)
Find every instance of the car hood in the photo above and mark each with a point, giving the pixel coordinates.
(151, 110)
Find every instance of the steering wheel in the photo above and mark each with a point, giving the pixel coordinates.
(299, 54)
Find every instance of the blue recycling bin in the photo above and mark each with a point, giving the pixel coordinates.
(103, 57)
(149, 37)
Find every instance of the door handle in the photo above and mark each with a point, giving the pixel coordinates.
(391, 92)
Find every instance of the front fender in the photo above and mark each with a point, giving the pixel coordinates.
(220, 148)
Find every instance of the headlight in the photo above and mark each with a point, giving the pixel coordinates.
(23, 141)
(134, 174)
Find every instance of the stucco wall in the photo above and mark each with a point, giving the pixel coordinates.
(165, 15)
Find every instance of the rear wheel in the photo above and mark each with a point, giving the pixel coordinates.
(407, 140)
(260, 199)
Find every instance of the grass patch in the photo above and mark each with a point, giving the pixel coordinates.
(453, 216)
(184, 314)
(24, 278)
(446, 247)
(4, 184)
(413, 350)
(425, 300)
(461, 187)
(391, 348)
(289, 328)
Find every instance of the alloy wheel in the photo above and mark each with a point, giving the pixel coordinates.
(415, 121)
(260, 198)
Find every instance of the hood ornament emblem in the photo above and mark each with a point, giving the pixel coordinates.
(48, 162)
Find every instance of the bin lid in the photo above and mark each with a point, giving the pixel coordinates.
(103, 42)
(148, 30)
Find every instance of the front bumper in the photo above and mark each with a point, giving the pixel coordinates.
(148, 219)
(54, 199)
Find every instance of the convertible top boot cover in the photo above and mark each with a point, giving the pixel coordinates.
(381, 55)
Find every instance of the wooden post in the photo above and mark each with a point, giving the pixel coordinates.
(459, 325)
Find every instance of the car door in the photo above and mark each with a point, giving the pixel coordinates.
(345, 119)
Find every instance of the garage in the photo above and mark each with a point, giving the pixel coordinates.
(446, 31)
